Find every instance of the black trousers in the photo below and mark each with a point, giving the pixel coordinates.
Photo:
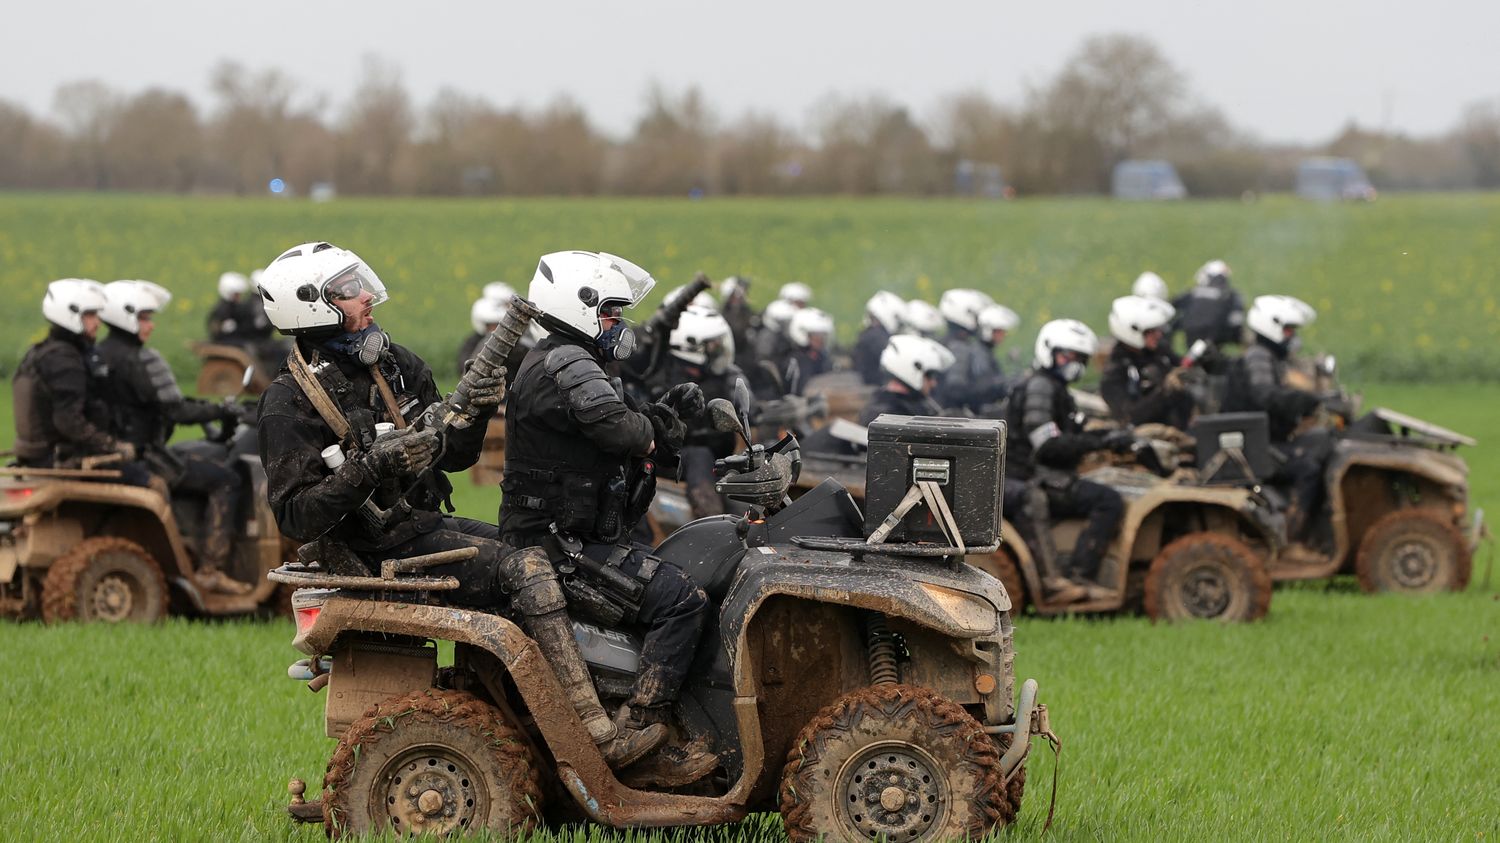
(1301, 474)
(478, 578)
(1099, 504)
(219, 486)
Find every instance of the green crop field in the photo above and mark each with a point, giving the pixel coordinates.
(1341, 716)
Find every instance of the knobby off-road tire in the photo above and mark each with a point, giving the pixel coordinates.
(220, 378)
(104, 579)
(1002, 566)
(1413, 551)
(1209, 576)
(431, 762)
(898, 763)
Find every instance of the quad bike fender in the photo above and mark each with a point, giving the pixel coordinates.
(1443, 469)
(1217, 506)
(579, 764)
(56, 511)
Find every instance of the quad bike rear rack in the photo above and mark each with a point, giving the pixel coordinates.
(390, 579)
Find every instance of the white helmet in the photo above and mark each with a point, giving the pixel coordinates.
(886, 308)
(778, 315)
(498, 292)
(962, 306)
(1270, 316)
(1065, 335)
(703, 338)
(796, 292)
(922, 318)
(573, 288)
(486, 312)
(68, 299)
(124, 301)
(910, 359)
(1214, 273)
(734, 283)
(997, 317)
(233, 284)
(1150, 285)
(1130, 317)
(300, 286)
(806, 322)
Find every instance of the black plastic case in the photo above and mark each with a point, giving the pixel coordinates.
(970, 451)
(1247, 432)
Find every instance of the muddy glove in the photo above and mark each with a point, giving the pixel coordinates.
(1173, 382)
(667, 429)
(686, 399)
(486, 393)
(126, 450)
(1118, 441)
(401, 453)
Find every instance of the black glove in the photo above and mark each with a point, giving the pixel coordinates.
(1119, 441)
(686, 399)
(230, 415)
(486, 393)
(667, 428)
(402, 452)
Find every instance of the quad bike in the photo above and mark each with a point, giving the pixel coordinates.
(224, 369)
(1183, 550)
(74, 546)
(843, 392)
(858, 680)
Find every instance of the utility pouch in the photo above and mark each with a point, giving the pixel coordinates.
(587, 601)
(610, 522)
(578, 505)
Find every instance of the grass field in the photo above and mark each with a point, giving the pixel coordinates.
(1340, 717)
(1406, 287)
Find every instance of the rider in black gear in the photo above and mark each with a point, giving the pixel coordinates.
(1213, 310)
(883, 314)
(579, 468)
(146, 403)
(976, 383)
(1142, 381)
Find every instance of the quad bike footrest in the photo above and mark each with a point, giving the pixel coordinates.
(847, 545)
(316, 578)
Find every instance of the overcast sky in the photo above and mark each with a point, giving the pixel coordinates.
(1294, 70)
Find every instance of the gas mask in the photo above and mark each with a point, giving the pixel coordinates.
(617, 343)
(1072, 370)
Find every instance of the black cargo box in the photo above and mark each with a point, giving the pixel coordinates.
(968, 455)
(1247, 433)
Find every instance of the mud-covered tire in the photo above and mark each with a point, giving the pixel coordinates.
(445, 756)
(1207, 576)
(105, 579)
(889, 744)
(220, 378)
(1002, 566)
(1413, 551)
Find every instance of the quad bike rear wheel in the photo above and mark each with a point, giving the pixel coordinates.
(1002, 566)
(431, 762)
(1209, 576)
(894, 762)
(1413, 551)
(105, 579)
(220, 377)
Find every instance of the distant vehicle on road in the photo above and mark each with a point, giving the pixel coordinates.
(1333, 180)
(1146, 179)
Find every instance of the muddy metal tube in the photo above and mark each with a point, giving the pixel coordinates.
(491, 354)
(528, 577)
(1020, 733)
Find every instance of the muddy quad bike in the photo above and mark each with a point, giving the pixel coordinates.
(74, 546)
(859, 681)
(1396, 511)
(224, 368)
(1183, 550)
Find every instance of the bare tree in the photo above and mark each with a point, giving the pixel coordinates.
(376, 129)
(155, 143)
(871, 145)
(1479, 134)
(87, 110)
(670, 150)
(253, 128)
(756, 156)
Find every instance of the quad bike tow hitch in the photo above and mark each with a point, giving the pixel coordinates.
(1036, 723)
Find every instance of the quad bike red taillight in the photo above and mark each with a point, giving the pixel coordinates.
(306, 616)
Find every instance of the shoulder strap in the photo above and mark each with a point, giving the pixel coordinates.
(315, 393)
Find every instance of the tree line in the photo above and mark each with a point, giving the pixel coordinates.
(1117, 97)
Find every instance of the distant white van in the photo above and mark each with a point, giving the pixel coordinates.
(1146, 179)
(1333, 180)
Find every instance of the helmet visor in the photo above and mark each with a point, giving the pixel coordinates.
(353, 282)
(640, 280)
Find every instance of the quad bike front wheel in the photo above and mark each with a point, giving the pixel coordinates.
(105, 579)
(894, 762)
(1414, 551)
(431, 762)
(1208, 576)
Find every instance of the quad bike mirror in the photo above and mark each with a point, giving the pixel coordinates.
(248, 377)
(1330, 365)
(742, 406)
(724, 416)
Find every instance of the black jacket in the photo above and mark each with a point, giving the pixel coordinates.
(307, 498)
(1134, 387)
(888, 400)
(239, 321)
(144, 400)
(1212, 313)
(1043, 427)
(568, 437)
(810, 364)
(59, 411)
(1256, 384)
(867, 350)
(975, 380)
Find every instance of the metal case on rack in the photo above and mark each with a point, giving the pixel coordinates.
(966, 457)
